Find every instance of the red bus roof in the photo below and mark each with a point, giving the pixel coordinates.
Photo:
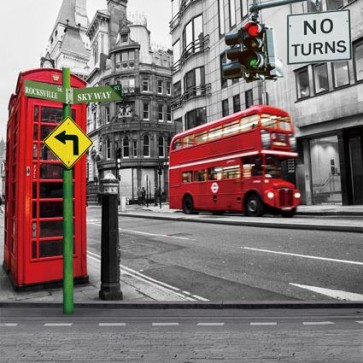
(257, 109)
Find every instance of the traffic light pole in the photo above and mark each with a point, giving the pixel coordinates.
(255, 7)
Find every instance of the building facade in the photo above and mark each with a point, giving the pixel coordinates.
(324, 99)
(138, 129)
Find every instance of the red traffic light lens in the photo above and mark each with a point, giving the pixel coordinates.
(253, 29)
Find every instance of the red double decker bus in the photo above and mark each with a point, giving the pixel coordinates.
(234, 164)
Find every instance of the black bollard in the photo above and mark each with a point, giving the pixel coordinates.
(110, 248)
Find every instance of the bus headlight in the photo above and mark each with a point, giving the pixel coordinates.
(270, 195)
(297, 195)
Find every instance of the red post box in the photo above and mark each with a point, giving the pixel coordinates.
(33, 248)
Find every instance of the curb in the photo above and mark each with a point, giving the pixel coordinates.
(196, 305)
(335, 228)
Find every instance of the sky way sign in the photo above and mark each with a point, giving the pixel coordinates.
(319, 37)
(56, 93)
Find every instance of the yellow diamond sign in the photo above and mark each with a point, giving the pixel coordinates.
(68, 142)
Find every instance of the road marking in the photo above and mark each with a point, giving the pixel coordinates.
(304, 256)
(268, 323)
(9, 324)
(210, 324)
(359, 321)
(111, 324)
(336, 294)
(161, 285)
(318, 323)
(165, 324)
(58, 324)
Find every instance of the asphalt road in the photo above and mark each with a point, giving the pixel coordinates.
(239, 263)
(162, 335)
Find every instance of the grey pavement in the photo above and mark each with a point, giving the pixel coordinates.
(141, 291)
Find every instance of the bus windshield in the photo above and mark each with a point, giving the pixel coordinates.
(275, 122)
(273, 167)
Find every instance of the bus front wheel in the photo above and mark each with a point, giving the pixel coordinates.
(188, 205)
(254, 206)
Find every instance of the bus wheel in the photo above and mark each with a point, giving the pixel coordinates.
(254, 206)
(288, 213)
(188, 205)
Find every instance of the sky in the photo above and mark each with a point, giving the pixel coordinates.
(25, 28)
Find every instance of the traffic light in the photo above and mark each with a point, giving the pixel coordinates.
(254, 56)
(251, 53)
(118, 158)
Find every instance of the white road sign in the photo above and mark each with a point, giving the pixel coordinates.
(319, 37)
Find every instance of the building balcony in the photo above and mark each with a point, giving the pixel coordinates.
(197, 46)
(178, 16)
(191, 93)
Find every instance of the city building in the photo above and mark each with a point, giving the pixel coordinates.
(324, 99)
(138, 129)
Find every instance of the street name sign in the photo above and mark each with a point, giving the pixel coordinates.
(97, 94)
(68, 142)
(44, 91)
(319, 37)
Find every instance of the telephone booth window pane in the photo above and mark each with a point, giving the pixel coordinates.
(50, 248)
(47, 154)
(34, 209)
(35, 132)
(51, 114)
(45, 131)
(51, 228)
(34, 190)
(50, 209)
(36, 113)
(34, 250)
(35, 151)
(51, 190)
(51, 171)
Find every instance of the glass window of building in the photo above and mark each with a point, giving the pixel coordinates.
(221, 16)
(340, 73)
(321, 82)
(225, 108)
(176, 51)
(126, 147)
(160, 112)
(334, 4)
(302, 83)
(161, 147)
(195, 118)
(145, 85)
(174, 8)
(168, 88)
(249, 98)
(244, 8)
(108, 149)
(325, 170)
(358, 61)
(146, 111)
(146, 146)
(232, 13)
(198, 33)
(168, 113)
(236, 103)
(188, 39)
(160, 86)
(107, 114)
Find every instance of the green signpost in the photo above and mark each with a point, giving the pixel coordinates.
(68, 96)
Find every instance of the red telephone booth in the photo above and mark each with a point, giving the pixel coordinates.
(33, 248)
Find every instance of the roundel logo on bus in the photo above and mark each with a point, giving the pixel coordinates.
(214, 188)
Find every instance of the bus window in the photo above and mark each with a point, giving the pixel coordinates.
(284, 124)
(177, 144)
(252, 166)
(231, 128)
(188, 140)
(215, 133)
(269, 121)
(187, 176)
(202, 137)
(231, 172)
(200, 175)
(215, 173)
(249, 123)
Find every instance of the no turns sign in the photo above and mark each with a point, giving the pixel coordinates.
(319, 37)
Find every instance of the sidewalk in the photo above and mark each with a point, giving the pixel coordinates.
(140, 291)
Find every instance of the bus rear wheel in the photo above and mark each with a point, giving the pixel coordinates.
(254, 206)
(188, 205)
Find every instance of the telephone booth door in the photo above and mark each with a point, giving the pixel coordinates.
(36, 198)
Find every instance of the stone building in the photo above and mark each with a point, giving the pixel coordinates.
(324, 99)
(139, 128)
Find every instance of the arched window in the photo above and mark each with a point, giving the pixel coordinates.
(146, 148)
(108, 149)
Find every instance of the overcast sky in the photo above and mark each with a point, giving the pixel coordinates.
(26, 25)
